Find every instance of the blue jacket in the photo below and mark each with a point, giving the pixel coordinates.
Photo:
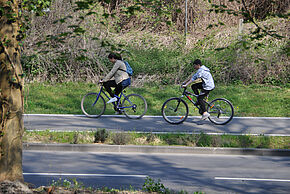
(204, 73)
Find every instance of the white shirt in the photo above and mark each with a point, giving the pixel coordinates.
(204, 73)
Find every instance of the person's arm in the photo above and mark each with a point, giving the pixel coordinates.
(187, 80)
(186, 83)
(194, 79)
(112, 72)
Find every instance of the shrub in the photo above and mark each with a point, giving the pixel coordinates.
(101, 135)
(151, 185)
(121, 138)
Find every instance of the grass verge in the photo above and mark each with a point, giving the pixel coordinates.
(170, 139)
(65, 98)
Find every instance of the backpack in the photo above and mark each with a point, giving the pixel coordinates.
(129, 69)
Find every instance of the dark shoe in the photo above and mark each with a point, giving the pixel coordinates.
(118, 112)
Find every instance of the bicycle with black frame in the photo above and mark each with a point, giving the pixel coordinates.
(134, 106)
(175, 110)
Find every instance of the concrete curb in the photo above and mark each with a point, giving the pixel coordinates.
(154, 149)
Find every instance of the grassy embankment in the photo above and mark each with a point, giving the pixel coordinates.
(252, 100)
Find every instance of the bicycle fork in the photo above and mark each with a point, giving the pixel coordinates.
(175, 110)
(178, 106)
(96, 99)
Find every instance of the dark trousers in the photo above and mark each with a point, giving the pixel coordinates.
(201, 95)
(112, 83)
(118, 87)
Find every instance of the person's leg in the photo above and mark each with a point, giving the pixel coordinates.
(200, 100)
(121, 86)
(107, 85)
(118, 89)
(195, 87)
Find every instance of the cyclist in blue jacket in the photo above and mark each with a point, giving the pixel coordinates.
(202, 80)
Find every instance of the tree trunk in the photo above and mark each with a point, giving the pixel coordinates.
(11, 95)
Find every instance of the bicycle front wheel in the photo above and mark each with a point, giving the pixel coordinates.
(175, 110)
(134, 106)
(221, 111)
(92, 106)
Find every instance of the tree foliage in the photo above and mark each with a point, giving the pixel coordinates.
(74, 36)
(253, 11)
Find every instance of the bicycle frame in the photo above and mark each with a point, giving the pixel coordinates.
(118, 105)
(187, 94)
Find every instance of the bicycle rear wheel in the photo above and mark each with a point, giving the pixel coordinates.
(221, 111)
(134, 106)
(175, 110)
(93, 107)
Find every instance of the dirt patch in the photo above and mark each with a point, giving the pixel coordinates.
(14, 187)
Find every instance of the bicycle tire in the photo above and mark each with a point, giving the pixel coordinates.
(175, 110)
(139, 104)
(90, 107)
(221, 111)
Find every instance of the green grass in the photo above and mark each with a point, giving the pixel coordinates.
(65, 98)
(170, 139)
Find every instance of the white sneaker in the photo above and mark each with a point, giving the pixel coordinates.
(112, 100)
(205, 116)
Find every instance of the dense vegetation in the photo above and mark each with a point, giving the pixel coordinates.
(152, 39)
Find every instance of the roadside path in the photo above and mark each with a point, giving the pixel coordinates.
(156, 124)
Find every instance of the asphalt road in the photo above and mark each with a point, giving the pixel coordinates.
(191, 172)
(239, 125)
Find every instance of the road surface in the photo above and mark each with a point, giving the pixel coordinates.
(239, 125)
(191, 172)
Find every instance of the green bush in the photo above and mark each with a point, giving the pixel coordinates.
(101, 135)
(152, 185)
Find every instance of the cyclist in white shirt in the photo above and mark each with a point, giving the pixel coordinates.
(202, 80)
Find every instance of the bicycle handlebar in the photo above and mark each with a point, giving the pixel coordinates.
(184, 89)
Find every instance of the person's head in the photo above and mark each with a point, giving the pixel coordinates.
(114, 57)
(196, 64)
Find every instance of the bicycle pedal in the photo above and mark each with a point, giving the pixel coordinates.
(118, 112)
